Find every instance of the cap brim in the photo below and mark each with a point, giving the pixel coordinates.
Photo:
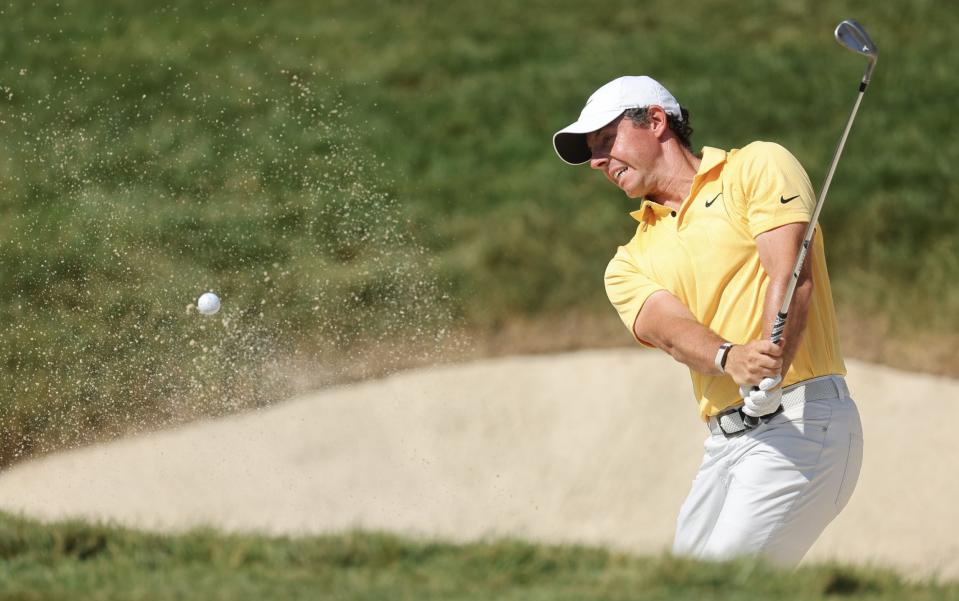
(570, 142)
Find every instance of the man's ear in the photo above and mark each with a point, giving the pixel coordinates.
(658, 122)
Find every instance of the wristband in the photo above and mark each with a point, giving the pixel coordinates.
(721, 355)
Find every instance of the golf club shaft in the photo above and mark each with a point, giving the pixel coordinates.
(780, 324)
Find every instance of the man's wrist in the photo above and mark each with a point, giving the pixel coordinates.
(722, 354)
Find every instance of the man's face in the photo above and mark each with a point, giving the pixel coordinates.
(626, 154)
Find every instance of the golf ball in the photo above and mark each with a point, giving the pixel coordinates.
(208, 303)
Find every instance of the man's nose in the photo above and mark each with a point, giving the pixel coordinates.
(598, 162)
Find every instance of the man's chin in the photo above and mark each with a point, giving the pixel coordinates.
(630, 192)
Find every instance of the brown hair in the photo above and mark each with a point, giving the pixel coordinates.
(679, 126)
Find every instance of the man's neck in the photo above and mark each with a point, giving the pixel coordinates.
(680, 167)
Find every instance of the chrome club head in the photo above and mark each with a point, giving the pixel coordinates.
(853, 36)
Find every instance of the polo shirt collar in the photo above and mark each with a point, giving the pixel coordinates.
(712, 158)
(650, 212)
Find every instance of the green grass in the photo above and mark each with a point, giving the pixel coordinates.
(72, 560)
(351, 175)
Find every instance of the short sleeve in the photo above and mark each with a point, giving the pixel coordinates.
(628, 288)
(776, 188)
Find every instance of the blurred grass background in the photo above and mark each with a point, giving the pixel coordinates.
(369, 185)
(70, 560)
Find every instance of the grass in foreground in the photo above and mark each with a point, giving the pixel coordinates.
(73, 560)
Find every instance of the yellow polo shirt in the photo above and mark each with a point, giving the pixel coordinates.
(705, 254)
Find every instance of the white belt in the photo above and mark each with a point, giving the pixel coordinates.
(730, 422)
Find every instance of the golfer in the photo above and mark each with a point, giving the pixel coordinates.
(702, 279)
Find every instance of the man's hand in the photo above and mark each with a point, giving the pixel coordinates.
(749, 363)
(762, 400)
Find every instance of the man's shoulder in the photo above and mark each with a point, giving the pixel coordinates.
(760, 156)
(758, 150)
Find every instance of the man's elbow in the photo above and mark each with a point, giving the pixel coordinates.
(664, 322)
(805, 286)
(644, 335)
(657, 337)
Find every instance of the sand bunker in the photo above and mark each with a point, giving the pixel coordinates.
(593, 447)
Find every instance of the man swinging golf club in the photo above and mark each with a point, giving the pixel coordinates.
(718, 260)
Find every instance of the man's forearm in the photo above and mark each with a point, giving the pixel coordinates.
(796, 315)
(693, 344)
(778, 249)
(669, 325)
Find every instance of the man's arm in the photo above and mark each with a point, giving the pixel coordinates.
(778, 249)
(666, 323)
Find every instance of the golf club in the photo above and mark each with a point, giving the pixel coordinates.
(853, 36)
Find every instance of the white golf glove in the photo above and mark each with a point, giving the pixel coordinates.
(764, 401)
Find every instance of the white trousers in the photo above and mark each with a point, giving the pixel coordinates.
(772, 491)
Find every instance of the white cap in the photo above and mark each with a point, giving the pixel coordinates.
(605, 105)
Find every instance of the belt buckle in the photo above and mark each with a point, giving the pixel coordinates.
(719, 422)
(765, 419)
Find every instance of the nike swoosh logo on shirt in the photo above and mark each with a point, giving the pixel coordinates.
(709, 203)
(784, 200)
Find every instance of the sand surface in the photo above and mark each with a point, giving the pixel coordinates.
(593, 447)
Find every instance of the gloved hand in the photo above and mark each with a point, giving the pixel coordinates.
(764, 401)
